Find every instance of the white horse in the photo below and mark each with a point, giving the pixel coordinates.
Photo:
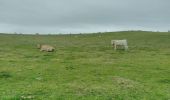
(119, 43)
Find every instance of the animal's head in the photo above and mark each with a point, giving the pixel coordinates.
(113, 42)
(38, 46)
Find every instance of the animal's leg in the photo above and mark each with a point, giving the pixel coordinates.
(126, 48)
(115, 47)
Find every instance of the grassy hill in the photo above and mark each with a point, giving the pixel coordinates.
(85, 67)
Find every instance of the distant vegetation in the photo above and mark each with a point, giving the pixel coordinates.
(85, 67)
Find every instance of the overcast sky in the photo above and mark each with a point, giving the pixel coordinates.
(74, 16)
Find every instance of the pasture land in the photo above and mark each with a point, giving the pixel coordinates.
(85, 67)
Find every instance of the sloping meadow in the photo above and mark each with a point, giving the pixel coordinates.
(85, 66)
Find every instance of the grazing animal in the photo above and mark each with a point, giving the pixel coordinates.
(47, 48)
(119, 43)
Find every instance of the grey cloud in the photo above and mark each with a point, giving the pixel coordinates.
(83, 15)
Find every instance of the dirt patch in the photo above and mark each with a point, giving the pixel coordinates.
(123, 82)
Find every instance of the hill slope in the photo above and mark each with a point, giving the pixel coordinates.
(85, 66)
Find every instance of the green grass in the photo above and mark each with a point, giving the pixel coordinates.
(85, 67)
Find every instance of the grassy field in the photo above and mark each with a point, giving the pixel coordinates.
(85, 67)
